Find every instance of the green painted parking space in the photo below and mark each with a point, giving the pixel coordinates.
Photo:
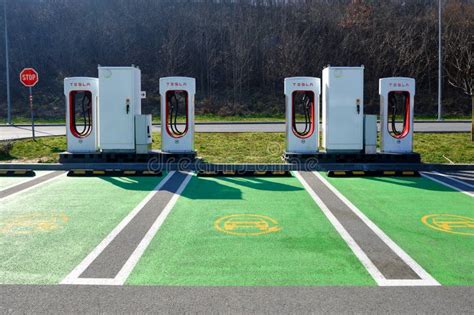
(232, 231)
(432, 223)
(46, 231)
(9, 181)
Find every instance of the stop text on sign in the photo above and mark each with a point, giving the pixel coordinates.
(29, 77)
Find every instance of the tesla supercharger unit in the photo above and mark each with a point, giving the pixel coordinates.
(397, 97)
(302, 97)
(177, 100)
(343, 109)
(120, 102)
(82, 96)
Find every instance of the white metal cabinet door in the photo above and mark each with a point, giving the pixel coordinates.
(345, 112)
(117, 109)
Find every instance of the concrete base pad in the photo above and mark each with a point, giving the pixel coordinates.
(125, 157)
(353, 157)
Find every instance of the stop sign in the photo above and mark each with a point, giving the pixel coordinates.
(29, 77)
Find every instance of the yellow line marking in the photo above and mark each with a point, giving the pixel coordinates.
(129, 172)
(389, 172)
(450, 223)
(246, 225)
(358, 173)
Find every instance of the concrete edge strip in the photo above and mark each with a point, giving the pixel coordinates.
(425, 278)
(73, 276)
(431, 177)
(454, 178)
(200, 165)
(37, 185)
(358, 252)
(29, 179)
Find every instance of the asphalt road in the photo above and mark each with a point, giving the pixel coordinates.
(240, 300)
(21, 132)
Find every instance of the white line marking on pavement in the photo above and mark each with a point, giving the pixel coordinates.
(468, 193)
(26, 181)
(138, 252)
(73, 276)
(34, 186)
(93, 281)
(366, 262)
(426, 278)
(454, 178)
(121, 277)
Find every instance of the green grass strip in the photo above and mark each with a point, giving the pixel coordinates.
(189, 250)
(397, 206)
(248, 147)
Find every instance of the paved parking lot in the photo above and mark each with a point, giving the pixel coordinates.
(279, 238)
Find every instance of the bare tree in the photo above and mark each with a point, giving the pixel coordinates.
(459, 49)
(239, 50)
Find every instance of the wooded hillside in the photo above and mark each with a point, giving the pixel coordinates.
(239, 51)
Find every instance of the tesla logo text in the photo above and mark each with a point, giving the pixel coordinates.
(80, 84)
(176, 84)
(303, 84)
(399, 84)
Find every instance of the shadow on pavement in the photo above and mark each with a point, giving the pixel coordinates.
(213, 188)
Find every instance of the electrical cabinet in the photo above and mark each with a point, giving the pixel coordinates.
(343, 108)
(370, 134)
(143, 136)
(120, 101)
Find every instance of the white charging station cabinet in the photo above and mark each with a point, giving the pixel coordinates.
(397, 97)
(177, 100)
(82, 97)
(302, 95)
(120, 100)
(143, 133)
(343, 109)
(370, 134)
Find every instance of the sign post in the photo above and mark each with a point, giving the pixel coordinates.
(29, 78)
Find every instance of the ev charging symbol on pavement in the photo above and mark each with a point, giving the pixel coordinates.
(450, 223)
(246, 225)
